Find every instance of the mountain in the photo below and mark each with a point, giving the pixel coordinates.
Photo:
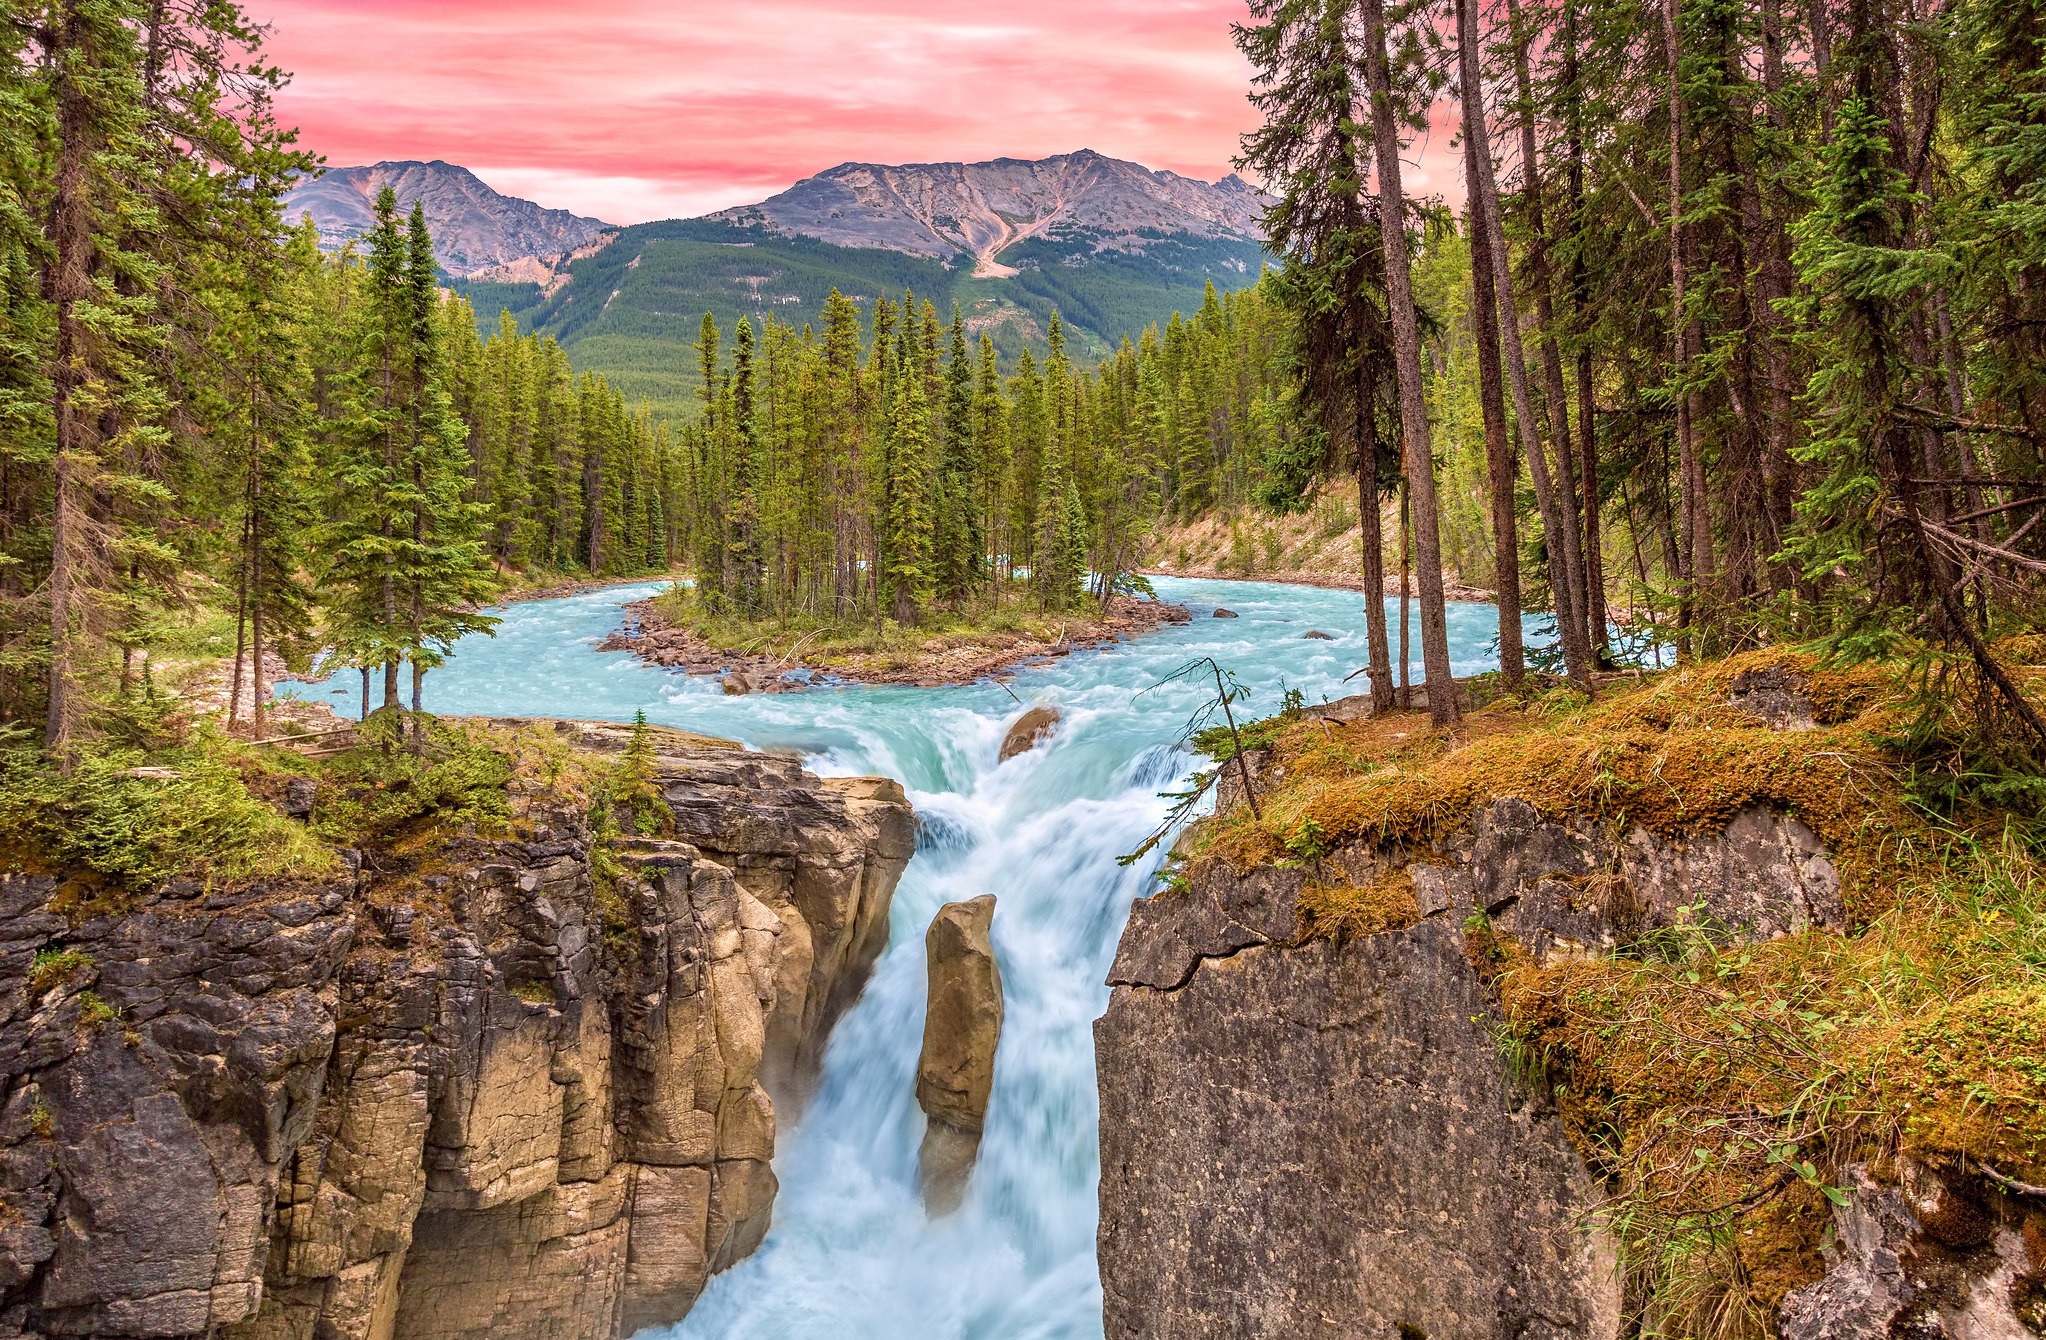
(982, 209)
(1111, 245)
(477, 232)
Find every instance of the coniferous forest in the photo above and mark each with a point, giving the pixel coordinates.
(1741, 315)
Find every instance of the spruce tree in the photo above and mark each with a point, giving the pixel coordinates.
(961, 542)
(442, 567)
(912, 531)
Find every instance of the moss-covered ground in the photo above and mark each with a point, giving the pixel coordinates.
(1721, 1089)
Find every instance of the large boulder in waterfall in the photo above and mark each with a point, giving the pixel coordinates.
(1031, 729)
(962, 1025)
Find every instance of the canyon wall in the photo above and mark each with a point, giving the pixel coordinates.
(519, 1089)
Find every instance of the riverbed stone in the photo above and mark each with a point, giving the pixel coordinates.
(1031, 729)
(962, 1028)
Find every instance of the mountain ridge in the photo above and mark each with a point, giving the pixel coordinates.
(476, 229)
(1111, 245)
(981, 209)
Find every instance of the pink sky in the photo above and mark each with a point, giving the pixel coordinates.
(633, 110)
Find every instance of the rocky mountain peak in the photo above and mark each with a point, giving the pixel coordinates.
(981, 209)
(475, 229)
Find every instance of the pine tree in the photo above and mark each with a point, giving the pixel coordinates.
(912, 531)
(442, 570)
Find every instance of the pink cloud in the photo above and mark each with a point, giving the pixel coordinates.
(635, 109)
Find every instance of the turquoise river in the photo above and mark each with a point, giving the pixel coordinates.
(851, 1255)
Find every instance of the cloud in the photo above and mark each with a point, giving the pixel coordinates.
(635, 110)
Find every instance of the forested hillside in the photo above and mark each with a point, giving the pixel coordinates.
(1767, 363)
(631, 310)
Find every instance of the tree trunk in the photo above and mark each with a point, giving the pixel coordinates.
(241, 631)
(1544, 280)
(1406, 567)
(1570, 626)
(1500, 466)
(1587, 403)
(256, 695)
(1442, 706)
(1779, 471)
(68, 283)
(1694, 510)
(1379, 667)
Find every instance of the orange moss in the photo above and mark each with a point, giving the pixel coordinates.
(1352, 911)
(1720, 1087)
(1670, 757)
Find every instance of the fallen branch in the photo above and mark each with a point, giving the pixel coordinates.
(2011, 1184)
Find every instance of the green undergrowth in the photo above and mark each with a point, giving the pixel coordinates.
(185, 801)
(127, 818)
(386, 794)
(1720, 1089)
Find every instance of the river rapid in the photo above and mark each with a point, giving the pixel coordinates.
(851, 1255)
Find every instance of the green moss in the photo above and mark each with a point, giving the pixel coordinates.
(54, 967)
(95, 1012)
(1970, 1076)
(534, 993)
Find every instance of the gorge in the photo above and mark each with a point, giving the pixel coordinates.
(417, 1107)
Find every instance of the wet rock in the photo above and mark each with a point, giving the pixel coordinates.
(1033, 728)
(1316, 635)
(1221, 613)
(962, 1027)
(737, 683)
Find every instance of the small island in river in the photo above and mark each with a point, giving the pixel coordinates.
(776, 656)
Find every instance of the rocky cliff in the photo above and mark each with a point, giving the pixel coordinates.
(955, 1071)
(1319, 1118)
(519, 1087)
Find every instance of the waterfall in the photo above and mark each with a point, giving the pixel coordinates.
(852, 1255)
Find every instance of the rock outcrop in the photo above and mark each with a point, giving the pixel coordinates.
(1318, 1137)
(1031, 729)
(944, 209)
(1928, 1256)
(517, 1092)
(962, 1027)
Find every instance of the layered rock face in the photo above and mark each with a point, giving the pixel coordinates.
(1315, 1138)
(500, 1098)
(955, 1073)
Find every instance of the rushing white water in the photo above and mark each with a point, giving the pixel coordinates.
(851, 1255)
